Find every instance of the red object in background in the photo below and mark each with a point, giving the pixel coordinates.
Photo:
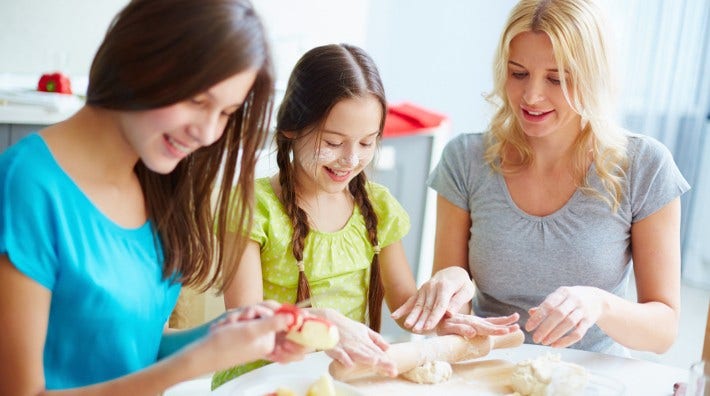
(406, 118)
(54, 82)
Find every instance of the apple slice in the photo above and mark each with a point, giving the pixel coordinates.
(310, 331)
(316, 333)
(322, 387)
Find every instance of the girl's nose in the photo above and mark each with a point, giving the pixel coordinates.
(349, 159)
(206, 131)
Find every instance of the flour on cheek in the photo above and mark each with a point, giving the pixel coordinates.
(325, 155)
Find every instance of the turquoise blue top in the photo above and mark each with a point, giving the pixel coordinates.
(109, 299)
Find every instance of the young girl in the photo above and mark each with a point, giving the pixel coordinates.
(321, 230)
(106, 214)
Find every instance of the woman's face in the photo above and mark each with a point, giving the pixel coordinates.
(164, 136)
(534, 89)
(346, 146)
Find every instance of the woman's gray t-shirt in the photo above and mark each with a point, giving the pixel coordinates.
(517, 259)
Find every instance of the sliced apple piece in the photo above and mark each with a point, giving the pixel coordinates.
(316, 333)
(322, 387)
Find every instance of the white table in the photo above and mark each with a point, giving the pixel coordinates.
(642, 378)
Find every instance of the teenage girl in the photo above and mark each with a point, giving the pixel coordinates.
(105, 215)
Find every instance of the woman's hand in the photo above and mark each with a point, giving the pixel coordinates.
(565, 315)
(448, 290)
(358, 344)
(471, 325)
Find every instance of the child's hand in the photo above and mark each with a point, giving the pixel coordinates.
(471, 325)
(360, 345)
(243, 336)
(286, 350)
(447, 291)
(250, 333)
(259, 310)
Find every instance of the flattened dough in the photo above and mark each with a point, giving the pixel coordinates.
(429, 373)
(548, 376)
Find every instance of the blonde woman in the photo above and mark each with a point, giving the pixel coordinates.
(548, 210)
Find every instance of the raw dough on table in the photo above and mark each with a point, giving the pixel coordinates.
(548, 376)
(429, 373)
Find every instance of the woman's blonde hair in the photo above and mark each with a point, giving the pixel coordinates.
(576, 31)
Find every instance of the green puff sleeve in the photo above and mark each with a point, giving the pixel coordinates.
(392, 220)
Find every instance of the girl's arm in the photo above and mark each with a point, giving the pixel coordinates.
(450, 289)
(565, 316)
(450, 280)
(397, 278)
(22, 345)
(246, 287)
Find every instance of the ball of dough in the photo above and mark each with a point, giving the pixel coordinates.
(429, 373)
(548, 376)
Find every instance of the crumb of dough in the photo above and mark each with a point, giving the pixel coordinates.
(548, 376)
(322, 387)
(429, 373)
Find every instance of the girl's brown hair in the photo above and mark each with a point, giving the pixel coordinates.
(321, 78)
(160, 52)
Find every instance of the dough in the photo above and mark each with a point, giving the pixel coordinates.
(429, 373)
(548, 376)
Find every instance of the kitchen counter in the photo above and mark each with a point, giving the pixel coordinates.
(21, 104)
(23, 110)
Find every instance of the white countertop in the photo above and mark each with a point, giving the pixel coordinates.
(20, 103)
(640, 377)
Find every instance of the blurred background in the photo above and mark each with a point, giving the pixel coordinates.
(437, 55)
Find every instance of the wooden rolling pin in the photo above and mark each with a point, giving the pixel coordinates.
(449, 348)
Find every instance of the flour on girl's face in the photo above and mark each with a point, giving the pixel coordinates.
(343, 159)
(344, 145)
(337, 159)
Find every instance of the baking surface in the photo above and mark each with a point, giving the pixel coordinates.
(475, 377)
(485, 375)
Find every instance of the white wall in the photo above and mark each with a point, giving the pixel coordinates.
(39, 36)
(439, 54)
(436, 56)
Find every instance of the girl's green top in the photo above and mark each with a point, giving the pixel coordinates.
(337, 260)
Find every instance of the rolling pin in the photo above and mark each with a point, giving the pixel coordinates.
(448, 348)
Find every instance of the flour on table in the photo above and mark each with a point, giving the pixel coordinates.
(548, 376)
(429, 373)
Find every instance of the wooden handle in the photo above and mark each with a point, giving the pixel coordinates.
(449, 348)
(510, 340)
